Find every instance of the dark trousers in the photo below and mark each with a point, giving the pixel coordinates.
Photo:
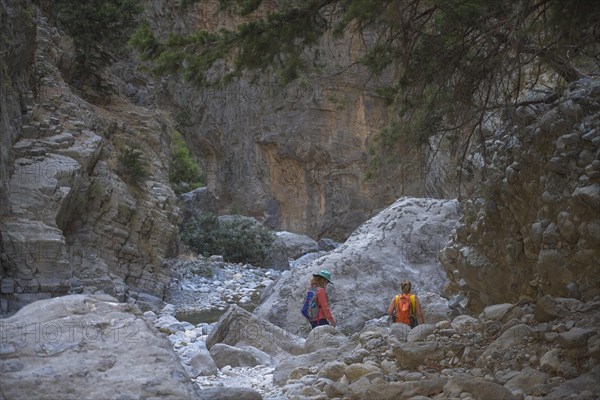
(319, 322)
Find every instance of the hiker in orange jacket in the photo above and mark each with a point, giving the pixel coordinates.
(414, 309)
(324, 316)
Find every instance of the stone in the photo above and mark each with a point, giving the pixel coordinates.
(463, 322)
(546, 309)
(404, 390)
(238, 326)
(588, 196)
(327, 244)
(290, 246)
(496, 311)
(202, 363)
(411, 355)
(550, 361)
(316, 359)
(350, 297)
(198, 202)
(420, 332)
(223, 355)
(333, 370)
(323, 337)
(91, 339)
(587, 381)
(356, 371)
(526, 380)
(509, 338)
(229, 393)
(575, 338)
(593, 346)
(487, 390)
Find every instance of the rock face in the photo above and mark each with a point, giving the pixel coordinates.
(534, 229)
(71, 217)
(91, 347)
(401, 242)
(293, 157)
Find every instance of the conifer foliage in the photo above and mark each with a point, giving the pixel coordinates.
(455, 60)
(99, 28)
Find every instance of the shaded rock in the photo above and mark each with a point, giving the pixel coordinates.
(405, 390)
(238, 326)
(420, 332)
(202, 363)
(197, 202)
(332, 370)
(550, 361)
(586, 382)
(486, 389)
(322, 337)
(509, 338)
(526, 381)
(105, 348)
(496, 311)
(575, 337)
(224, 354)
(356, 371)
(547, 309)
(229, 393)
(411, 355)
(288, 245)
(317, 359)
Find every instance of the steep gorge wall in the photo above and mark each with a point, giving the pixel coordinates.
(72, 219)
(294, 157)
(534, 227)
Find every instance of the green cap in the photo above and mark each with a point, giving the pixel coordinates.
(325, 274)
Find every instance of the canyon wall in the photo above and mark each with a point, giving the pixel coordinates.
(73, 219)
(294, 157)
(534, 226)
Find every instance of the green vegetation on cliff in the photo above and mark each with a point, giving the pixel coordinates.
(238, 239)
(99, 29)
(185, 173)
(453, 61)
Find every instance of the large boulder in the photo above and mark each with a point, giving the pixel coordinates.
(90, 347)
(288, 245)
(238, 327)
(401, 242)
(197, 202)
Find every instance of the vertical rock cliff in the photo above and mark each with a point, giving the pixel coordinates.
(294, 157)
(73, 218)
(534, 226)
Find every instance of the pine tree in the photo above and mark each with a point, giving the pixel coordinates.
(455, 60)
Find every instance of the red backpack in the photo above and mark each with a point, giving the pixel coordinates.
(405, 307)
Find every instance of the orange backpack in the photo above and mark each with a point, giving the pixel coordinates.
(405, 307)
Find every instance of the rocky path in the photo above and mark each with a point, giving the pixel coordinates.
(544, 349)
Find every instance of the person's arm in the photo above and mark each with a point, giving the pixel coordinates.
(392, 306)
(419, 312)
(324, 305)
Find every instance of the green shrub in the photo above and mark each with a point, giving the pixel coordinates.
(132, 164)
(185, 174)
(238, 239)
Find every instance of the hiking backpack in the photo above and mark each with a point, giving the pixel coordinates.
(310, 308)
(405, 308)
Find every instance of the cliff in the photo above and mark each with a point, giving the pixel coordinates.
(294, 157)
(73, 216)
(533, 228)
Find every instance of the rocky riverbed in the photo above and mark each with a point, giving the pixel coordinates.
(544, 349)
(203, 288)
